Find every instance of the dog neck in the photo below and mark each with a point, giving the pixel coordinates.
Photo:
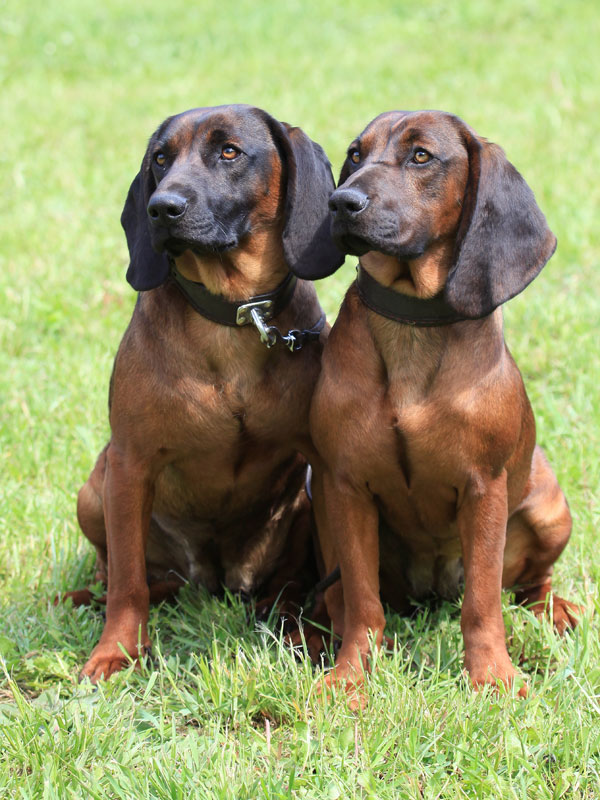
(414, 354)
(422, 277)
(405, 309)
(409, 292)
(198, 336)
(235, 313)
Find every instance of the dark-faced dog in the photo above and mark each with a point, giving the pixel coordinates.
(428, 474)
(203, 478)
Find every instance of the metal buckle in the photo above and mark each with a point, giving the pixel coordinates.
(246, 314)
(257, 314)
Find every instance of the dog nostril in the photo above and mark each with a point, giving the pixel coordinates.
(355, 205)
(333, 205)
(153, 213)
(174, 211)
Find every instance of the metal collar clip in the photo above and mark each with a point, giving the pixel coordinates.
(257, 314)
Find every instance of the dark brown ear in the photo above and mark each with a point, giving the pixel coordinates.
(147, 268)
(309, 249)
(503, 240)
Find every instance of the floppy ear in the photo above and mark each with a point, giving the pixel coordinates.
(503, 240)
(147, 268)
(309, 249)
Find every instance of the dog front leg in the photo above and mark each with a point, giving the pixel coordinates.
(128, 496)
(348, 518)
(482, 520)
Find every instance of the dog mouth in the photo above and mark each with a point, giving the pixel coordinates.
(352, 244)
(356, 239)
(355, 245)
(177, 246)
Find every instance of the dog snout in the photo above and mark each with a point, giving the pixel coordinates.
(166, 208)
(348, 202)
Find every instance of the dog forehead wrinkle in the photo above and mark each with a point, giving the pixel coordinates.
(415, 133)
(189, 136)
(208, 127)
(394, 117)
(189, 125)
(399, 121)
(421, 122)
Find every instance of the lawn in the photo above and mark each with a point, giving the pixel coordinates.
(224, 710)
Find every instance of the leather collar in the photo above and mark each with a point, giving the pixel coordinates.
(234, 312)
(401, 307)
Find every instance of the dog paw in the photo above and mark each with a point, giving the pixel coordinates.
(494, 671)
(106, 659)
(315, 630)
(316, 639)
(80, 597)
(83, 597)
(565, 615)
(345, 682)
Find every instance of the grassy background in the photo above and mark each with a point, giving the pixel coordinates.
(225, 711)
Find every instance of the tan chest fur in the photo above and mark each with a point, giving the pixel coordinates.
(219, 421)
(413, 421)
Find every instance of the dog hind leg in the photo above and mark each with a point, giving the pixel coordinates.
(537, 534)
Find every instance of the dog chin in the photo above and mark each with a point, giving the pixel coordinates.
(176, 247)
(353, 245)
(405, 252)
(358, 246)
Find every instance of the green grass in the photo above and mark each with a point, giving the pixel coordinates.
(224, 711)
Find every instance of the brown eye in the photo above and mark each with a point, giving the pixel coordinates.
(228, 152)
(421, 156)
(160, 159)
(354, 156)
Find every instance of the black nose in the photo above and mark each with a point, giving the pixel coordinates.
(166, 207)
(348, 202)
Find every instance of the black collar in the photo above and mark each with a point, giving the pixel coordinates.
(403, 308)
(234, 312)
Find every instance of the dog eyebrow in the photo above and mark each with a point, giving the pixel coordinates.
(414, 133)
(218, 135)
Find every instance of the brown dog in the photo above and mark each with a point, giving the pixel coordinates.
(429, 473)
(202, 479)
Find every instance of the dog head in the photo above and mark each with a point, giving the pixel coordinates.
(212, 178)
(437, 206)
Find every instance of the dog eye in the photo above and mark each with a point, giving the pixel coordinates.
(354, 156)
(421, 156)
(229, 152)
(160, 159)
